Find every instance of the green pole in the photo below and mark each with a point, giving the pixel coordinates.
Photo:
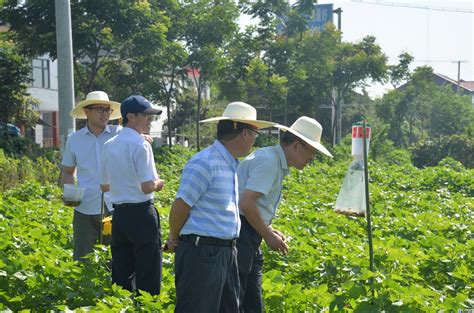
(367, 203)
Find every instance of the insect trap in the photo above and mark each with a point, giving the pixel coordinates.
(353, 198)
(352, 195)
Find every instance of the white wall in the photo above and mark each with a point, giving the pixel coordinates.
(48, 97)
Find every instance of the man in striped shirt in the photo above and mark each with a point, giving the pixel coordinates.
(204, 218)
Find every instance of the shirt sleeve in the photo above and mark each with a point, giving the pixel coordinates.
(104, 177)
(261, 175)
(145, 163)
(195, 180)
(69, 158)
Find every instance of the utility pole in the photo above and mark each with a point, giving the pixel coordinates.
(65, 70)
(458, 88)
(337, 116)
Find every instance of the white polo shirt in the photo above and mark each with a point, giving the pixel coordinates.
(83, 151)
(263, 171)
(127, 161)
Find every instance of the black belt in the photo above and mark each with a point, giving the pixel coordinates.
(131, 205)
(211, 241)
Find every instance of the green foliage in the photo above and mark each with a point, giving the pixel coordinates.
(421, 232)
(420, 110)
(458, 147)
(15, 104)
(14, 171)
(265, 139)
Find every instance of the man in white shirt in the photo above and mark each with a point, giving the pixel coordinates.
(83, 154)
(261, 177)
(128, 171)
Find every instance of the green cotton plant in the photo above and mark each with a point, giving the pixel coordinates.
(422, 239)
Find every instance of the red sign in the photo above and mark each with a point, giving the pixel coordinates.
(358, 131)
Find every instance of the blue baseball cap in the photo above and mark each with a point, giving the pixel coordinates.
(137, 104)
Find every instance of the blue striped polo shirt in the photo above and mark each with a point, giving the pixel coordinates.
(209, 186)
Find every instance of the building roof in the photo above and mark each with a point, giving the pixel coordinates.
(468, 85)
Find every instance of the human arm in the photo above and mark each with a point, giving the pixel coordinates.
(148, 138)
(178, 215)
(104, 178)
(67, 174)
(67, 177)
(152, 185)
(146, 169)
(274, 238)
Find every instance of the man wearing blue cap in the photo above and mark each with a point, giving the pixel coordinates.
(129, 172)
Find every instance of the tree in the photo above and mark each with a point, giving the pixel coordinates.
(210, 25)
(15, 104)
(355, 64)
(104, 33)
(401, 71)
(421, 110)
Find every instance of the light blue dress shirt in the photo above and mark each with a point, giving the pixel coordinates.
(263, 171)
(83, 151)
(209, 186)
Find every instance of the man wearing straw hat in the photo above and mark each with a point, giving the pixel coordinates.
(82, 154)
(261, 176)
(204, 218)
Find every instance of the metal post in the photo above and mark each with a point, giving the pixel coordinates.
(459, 76)
(101, 223)
(65, 70)
(338, 11)
(367, 203)
(338, 114)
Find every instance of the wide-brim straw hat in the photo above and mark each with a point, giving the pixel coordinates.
(308, 130)
(240, 112)
(96, 97)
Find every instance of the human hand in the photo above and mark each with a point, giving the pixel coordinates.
(159, 183)
(279, 233)
(276, 242)
(148, 138)
(170, 245)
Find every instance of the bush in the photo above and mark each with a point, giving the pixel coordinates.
(18, 146)
(14, 171)
(430, 153)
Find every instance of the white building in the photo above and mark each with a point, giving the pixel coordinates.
(44, 87)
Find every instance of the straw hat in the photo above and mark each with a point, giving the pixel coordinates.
(240, 112)
(96, 97)
(309, 130)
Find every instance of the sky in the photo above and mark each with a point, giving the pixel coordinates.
(433, 37)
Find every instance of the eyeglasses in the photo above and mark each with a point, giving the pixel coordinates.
(305, 146)
(254, 131)
(101, 110)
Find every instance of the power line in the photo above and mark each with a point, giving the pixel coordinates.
(440, 61)
(415, 6)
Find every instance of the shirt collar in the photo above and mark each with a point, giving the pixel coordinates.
(281, 155)
(130, 132)
(87, 131)
(226, 154)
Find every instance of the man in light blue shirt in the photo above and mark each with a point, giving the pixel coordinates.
(204, 218)
(261, 177)
(82, 157)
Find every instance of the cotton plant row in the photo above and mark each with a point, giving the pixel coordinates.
(422, 237)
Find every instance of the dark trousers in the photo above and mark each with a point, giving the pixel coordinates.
(136, 247)
(86, 234)
(206, 278)
(250, 260)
